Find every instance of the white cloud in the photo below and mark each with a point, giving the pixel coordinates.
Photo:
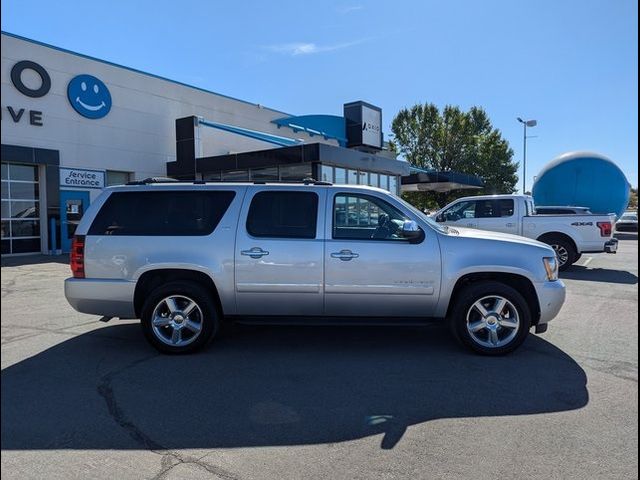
(302, 48)
(349, 8)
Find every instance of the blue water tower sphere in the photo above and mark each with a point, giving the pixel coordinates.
(582, 179)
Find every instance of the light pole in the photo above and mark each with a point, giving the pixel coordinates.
(525, 124)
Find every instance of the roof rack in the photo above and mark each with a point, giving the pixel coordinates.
(152, 180)
(306, 181)
(149, 180)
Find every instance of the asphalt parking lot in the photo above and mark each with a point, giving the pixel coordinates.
(83, 399)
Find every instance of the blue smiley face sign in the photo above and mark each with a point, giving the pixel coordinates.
(89, 96)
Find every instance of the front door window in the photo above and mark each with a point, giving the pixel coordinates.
(364, 217)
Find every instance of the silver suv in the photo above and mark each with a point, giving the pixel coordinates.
(184, 256)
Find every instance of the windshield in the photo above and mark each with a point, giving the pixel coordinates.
(432, 223)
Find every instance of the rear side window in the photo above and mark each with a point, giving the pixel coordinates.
(485, 209)
(169, 213)
(505, 207)
(283, 215)
(494, 208)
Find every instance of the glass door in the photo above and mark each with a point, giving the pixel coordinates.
(73, 204)
(20, 209)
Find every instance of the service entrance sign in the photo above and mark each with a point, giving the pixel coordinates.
(81, 178)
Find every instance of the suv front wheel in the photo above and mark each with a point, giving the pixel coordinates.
(490, 318)
(179, 317)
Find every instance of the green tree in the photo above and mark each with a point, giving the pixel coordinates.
(633, 199)
(454, 140)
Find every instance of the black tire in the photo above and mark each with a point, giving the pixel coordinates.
(577, 257)
(561, 245)
(206, 316)
(463, 304)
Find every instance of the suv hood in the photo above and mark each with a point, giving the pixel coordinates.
(503, 237)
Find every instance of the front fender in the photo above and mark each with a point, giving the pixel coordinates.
(450, 278)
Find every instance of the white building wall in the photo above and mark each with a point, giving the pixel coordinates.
(138, 134)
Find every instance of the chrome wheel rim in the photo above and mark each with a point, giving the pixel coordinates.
(177, 321)
(493, 321)
(562, 253)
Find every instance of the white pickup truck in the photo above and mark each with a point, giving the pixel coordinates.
(569, 235)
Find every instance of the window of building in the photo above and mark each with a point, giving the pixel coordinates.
(115, 177)
(235, 176)
(20, 209)
(364, 217)
(384, 181)
(283, 214)
(268, 174)
(326, 173)
(341, 176)
(295, 173)
(393, 184)
(374, 179)
(174, 213)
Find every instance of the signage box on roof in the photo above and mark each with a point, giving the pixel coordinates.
(364, 125)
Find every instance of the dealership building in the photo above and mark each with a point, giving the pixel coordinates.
(73, 124)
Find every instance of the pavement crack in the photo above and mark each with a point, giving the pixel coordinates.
(105, 390)
(169, 458)
(617, 368)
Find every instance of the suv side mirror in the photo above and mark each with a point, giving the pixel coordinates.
(411, 231)
(440, 218)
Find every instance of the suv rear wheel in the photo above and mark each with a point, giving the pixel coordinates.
(179, 317)
(490, 318)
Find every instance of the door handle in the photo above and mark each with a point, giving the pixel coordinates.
(255, 252)
(471, 224)
(344, 255)
(511, 224)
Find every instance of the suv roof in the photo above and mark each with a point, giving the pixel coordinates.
(171, 185)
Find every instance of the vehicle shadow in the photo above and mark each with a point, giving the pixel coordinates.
(21, 260)
(578, 272)
(262, 386)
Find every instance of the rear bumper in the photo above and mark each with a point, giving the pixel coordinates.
(551, 296)
(611, 246)
(111, 298)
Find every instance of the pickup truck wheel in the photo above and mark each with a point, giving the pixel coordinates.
(179, 317)
(565, 252)
(490, 318)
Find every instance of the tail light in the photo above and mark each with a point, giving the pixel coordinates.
(605, 228)
(77, 256)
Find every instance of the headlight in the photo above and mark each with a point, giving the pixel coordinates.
(551, 266)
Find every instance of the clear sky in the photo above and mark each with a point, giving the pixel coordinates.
(571, 65)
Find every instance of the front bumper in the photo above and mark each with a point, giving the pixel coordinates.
(551, 296)
(110, 298)
(611, 246)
